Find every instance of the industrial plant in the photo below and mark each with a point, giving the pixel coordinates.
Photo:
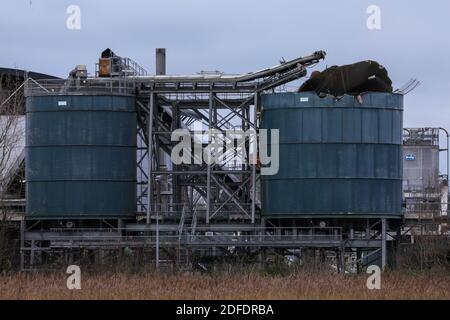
(325, 172)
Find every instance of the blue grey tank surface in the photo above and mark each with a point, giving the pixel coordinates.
(337, 157)
(81, 156)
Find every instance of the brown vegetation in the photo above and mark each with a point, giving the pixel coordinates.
(396, 285)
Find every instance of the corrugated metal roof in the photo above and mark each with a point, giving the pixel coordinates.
(21, 73)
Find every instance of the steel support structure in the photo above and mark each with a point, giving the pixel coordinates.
(224, 191)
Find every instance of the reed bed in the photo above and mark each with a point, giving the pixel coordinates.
(394, 285)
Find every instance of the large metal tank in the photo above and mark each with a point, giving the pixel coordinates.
(421, 161)
(81, 156)
(337, 157)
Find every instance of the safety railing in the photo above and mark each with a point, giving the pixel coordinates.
(216, 239)
(115, 236)
(110, 86)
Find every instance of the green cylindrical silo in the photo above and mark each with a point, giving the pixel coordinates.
(337, 157)
(81, 156)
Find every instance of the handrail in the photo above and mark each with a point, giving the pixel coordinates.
(260, 80)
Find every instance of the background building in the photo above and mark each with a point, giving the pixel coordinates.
(425, 189)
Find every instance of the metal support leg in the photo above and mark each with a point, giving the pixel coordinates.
(22, 245)
(398, 241)
(341, 259)
(338, 261)
(255, 116)
(33, 246)
(158, 190)
(367, 229)
(150, 157)
(383, 244)
(358, 261)
(208, 173)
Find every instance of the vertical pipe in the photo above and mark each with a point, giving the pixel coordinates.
(157, 228)
(208, 173)
(150, 157)
(152, 110)
(160, 69)
(383, 244)
(256, 151)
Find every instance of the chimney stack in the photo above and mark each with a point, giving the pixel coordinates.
(160, 61)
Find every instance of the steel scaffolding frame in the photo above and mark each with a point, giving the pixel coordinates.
(43, 246)
(169, 103)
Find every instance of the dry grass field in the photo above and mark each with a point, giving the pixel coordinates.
(195, 286)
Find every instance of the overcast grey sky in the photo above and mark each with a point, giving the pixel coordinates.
(237, 36)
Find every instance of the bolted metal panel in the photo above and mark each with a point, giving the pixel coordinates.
(81, 156)
(337, 157)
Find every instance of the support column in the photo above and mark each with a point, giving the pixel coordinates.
(255, 117)
(278, 233)
(341, 259)
(33, 246)
(367, 229)
(351, 232)
(120, 226)
(157, 227)
(398, 241)
(22, 245)
(150, 157)
(208, 173)
(358, 261)
(383, 244)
